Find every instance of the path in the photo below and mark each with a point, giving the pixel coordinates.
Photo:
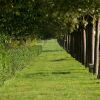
(54, 75)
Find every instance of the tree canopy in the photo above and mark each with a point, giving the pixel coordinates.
(43, 18)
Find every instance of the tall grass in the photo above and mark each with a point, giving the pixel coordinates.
(15, 59)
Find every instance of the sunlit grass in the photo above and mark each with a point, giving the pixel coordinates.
(54, 75)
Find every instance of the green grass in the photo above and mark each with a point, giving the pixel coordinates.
(53, 75)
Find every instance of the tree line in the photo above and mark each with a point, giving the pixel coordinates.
(83, 44)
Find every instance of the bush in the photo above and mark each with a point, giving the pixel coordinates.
(15, 59)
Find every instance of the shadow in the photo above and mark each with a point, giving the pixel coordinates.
(55, 60)
(97, 82)
(35, 74)
(61, 59)
(42, 74)
(62, 73)
(51, 50)
(72, 69)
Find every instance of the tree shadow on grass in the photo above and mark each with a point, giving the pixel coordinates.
(61, 73)
(51, 50)
(61, 59)
(55, 60)
(42, 74)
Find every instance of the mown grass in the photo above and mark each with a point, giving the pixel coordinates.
(54, 75)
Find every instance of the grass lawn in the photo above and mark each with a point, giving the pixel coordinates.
(53, 75)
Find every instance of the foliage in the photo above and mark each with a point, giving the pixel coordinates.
(15, 59)
(19, 18)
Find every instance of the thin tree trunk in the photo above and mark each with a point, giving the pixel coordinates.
(65, 41)
(73, 45)
(79, 45)
(93, 45)
(84, 47)
(90, 44)
(96, 63)
(69, 42)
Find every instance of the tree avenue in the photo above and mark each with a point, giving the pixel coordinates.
(76, 25)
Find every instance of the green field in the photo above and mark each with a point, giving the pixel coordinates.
(53, 75)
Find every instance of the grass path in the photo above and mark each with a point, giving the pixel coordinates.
(54, 75)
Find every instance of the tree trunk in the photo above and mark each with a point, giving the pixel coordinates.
(90, 44)
(69, 42)
(65, 39)
(96, 63)
(84, 47)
